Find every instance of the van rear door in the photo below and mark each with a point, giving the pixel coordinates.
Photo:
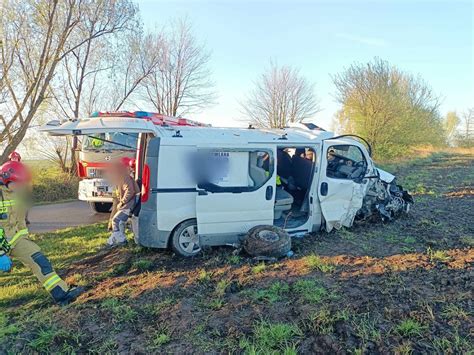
(89, 126)
(241, 193)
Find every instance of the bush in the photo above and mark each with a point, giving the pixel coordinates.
(50, 184)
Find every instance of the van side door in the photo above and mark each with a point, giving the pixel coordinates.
(342, 186)
(241, 194)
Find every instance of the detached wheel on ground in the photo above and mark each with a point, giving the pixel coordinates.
(100, 207)
(269, 241)
(185, 239)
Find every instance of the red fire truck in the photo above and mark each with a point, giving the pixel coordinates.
(97, 151)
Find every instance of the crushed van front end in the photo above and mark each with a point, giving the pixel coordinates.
(385, 199)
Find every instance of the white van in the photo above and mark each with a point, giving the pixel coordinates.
(205, 186)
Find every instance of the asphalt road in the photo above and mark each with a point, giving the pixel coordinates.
(48, 218)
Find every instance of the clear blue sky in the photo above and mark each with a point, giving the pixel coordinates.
(432, 38)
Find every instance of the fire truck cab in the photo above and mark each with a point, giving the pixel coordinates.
(206, 186)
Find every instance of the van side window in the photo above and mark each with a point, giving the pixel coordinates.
(234, 171)
(345, 162)
(260, 168)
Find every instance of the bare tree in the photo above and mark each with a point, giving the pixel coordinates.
(36, 37)
(79, 87)
(181, 83)
(387, 106)
(137, 57)
(280, 96)
(450, 123)
(465, 136)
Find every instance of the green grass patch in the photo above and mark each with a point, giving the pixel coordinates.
(156, 309)
(143, 265)
(438, 255)
(410, 328)
(366, 327)
(45, 337)
(259, 268)
(160, 338)
(269, 338)
(204, 276)
(323, 320)
(451, 311)
(310, 291)
(468, 240)
(120, 311)
(314, 262)
(6, 328)
(234, 259)
(274, 293)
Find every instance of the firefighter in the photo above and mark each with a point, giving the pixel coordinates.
(15, 156)
(14, 179)
(128, 190)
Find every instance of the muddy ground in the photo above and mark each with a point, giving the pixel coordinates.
(402, 287)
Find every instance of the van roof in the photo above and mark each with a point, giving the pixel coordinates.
(176, 135)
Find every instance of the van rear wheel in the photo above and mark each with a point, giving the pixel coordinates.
(185, 239)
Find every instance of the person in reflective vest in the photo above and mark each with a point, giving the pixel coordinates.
(14, 178)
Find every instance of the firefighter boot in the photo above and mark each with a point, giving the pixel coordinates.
(29, 253)
(63, 298)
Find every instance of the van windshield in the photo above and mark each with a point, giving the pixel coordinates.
(110, 141)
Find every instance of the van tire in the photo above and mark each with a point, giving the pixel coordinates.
(267, 241)
(100, 207)
(185, 231)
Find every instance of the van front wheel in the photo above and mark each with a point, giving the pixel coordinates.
(185, 239)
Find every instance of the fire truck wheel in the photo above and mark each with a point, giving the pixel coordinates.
(185, 239)
(268, 241)
(100, 207)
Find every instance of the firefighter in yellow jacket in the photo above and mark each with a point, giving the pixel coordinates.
(14, 243)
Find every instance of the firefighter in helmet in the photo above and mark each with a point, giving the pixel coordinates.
(14, 181)
(15, 156)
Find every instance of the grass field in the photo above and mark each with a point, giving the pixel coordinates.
(403, 287)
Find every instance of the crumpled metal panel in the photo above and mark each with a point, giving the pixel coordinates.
(341, 212)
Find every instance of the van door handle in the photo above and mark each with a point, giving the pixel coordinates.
(324, 189)
(269, 193)
(201, 192)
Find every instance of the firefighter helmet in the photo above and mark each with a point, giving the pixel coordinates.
(14, 156)
(125, 161)
(14, 171)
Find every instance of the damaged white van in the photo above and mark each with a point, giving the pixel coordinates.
(206, 186)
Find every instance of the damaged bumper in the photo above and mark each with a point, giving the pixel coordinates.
(384, 198)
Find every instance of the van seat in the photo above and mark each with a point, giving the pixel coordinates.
(283, 197)
(283, 202)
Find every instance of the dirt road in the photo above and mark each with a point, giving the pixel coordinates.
(48, 218)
